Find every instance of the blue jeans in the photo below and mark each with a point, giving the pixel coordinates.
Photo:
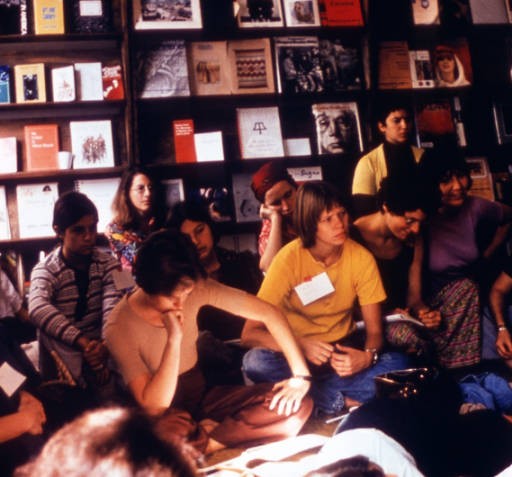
(489, 333)
(488, 389)
(328, 390)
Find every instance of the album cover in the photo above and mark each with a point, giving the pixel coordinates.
(260, 13)
(341, 65)
(166, 14)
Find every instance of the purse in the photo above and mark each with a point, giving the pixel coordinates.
(405, 384)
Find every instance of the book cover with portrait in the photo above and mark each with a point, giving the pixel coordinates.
(451, 62)
(338, 129)
(301, 13)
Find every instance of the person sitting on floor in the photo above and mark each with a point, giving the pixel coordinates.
(315, 280)
(72, 291)
(276, 190)
(220, 363)
(152, 336)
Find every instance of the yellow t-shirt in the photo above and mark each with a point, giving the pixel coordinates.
(354, 275)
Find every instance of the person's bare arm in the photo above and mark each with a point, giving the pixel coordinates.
(275, 238)
(500, 289)
(29, 418)
(155, 392)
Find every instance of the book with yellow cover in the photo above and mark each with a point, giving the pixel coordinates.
(30, 83)
(48, 17)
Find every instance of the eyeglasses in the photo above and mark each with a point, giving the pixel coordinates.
(140, 189)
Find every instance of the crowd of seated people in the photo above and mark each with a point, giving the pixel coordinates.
(313, 337)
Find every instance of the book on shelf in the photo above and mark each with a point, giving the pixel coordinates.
(334, 13)
(184, 146)
(297, 146)
(452, 64)
(301, 13)
(89, 81)
(266, 14)
(502, 114)
(481, 177)
(101, 192)
(8, 155)
(174, 191)
(162, 71)
(394, 70)
(63, 84)
(35, 209)
(41, 146)
(454, 14)
(91, 16)
(112, 81)
(92, 144)
(488, 12)
(422, 75)
(259, 132)
(338, 128)
(208, 68)
(48, 17)
(298, 64)
(166, 14)
(5, 84)
(250, 66)
(460, 129)
(434, 120)
(305, 174)
(30, 83)
(341, 65)
(247, 207)
(5, 227)
(13, 17)
(425, 13)
(208, 146)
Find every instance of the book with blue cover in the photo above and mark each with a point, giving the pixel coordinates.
(5, 84)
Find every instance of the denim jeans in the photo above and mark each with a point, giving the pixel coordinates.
(488, 389)
(489, 333)
(328, 390)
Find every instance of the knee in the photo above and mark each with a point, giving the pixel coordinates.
(257, 360)
(393, 360)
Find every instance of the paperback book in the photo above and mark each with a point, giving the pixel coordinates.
(166, 14)
(394, 70)
(298, 65)
(30, 83)
(112, 81)
(266, 14)
(91, 16)
(162, 71)
(92, 144)
(209, 68)
(63, 84)
(334, 13)
(89, 81)
(48, 17)
(208, 146)
(5, 84)
(41, 146)
(246, 205)
(8, 155)
(422, 75)
(301, 13)
(184, 147)
(35, 209)
(259, 132)
(250, 65)
(338, 129)
(5, 227)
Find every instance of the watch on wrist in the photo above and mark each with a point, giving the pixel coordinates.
(502, 328)
(375, 355)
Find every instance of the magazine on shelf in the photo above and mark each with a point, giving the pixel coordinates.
(208, 68)
(250, 66)
(41, 146)
(167, 14)
(303, 13)
(101, 192)
(63, 84)
(434, 120)
(48, 16)
(481, 178)
(425, 12)
(461, 74)
(9, 155)
(5, 84)
(5, 227)
(338, 128)
(347, 13)
(488, 12)
(89, 81)
(92, 144)
(247, 207)
(30, 83)
(259, 132)
(13, 17)
(184, 147)
(35, 209)
(422, 74)
(260, 14)
(394, 70)
(112, 81)
(91, 16)
(298, 64)
(162, 70)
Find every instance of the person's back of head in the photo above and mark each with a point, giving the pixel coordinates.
(107, 442)
(164, 259)
(357, 466)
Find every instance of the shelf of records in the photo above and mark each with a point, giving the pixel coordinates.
(68, 83)
(57, 17)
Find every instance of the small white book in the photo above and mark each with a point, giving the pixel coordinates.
(395, 318)
(101, 192)
(89, 81)
(5, 228)
(208, 146)
(92, 144)
(9, 155)
(35, 209)
(63, 84)
(259, 130)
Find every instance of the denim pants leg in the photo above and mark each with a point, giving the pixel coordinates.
(328, 389)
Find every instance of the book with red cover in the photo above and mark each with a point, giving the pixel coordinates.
(341, 13)
(184, 147)
(434, 119)
(41, 146)
(112, 77)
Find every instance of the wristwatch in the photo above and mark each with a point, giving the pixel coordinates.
(375, 355)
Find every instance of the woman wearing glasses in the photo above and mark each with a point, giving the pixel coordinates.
(135, 215)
